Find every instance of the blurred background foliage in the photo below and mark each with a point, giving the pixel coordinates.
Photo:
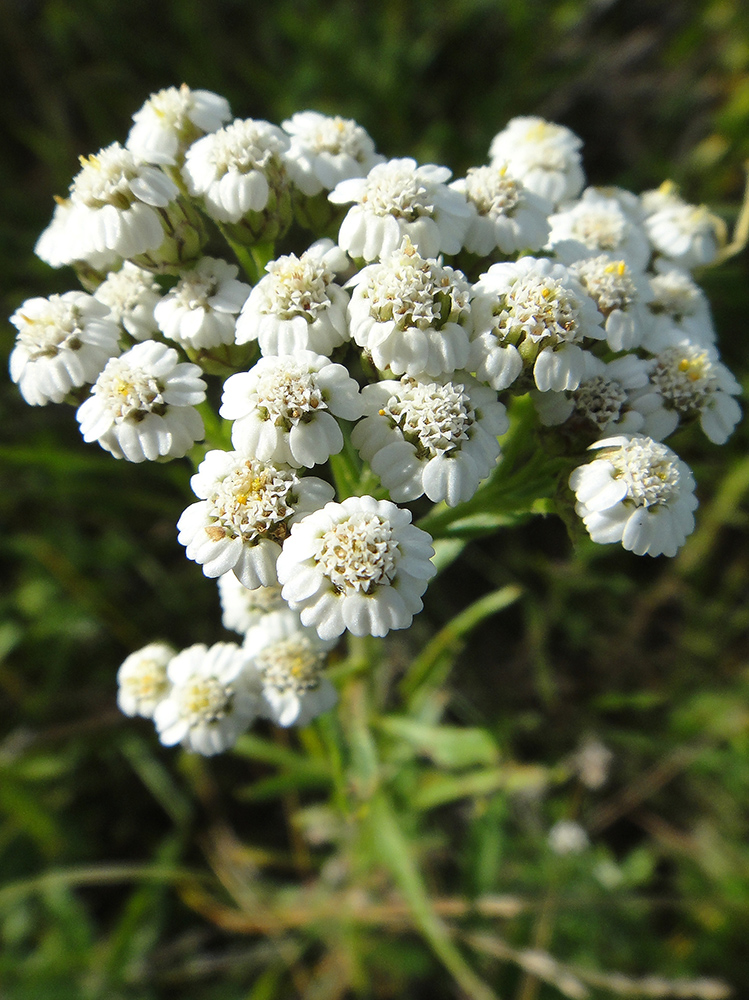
(129, 871)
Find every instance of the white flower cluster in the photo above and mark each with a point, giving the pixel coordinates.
(363, 350)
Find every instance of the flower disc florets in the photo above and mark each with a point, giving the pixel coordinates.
(143, 680)
(545, 155)
(63, 342)
(607, 400)
(637, 491)
(433, 438)
(298, 306)
(113, 207)
(326, 150)
(173, 118)
(598, 223)
(143, 405)
(239, 172)
(285, 408)
(242, 608)
(687, 235)
(691, 381)
(200, 311)
(131, 295)
(358, 565)
(533, 314)
(245, 515)
(679, 312)
(213, 698)
(400, 199)
(620, 294)
(411, 314)
(289, 660)
(504, 213)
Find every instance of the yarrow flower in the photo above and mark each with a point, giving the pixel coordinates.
(298, 306)
(505, 215)
(687, 235)
(142, 679)
(285, 408)
(325, 151)
(201, 310)
(53, 246)
(679, 310)
(607, 399)
(621, 294)
(534, 314)
(212, 700)
(434, 438)
(289, 660)
(358, 565)
(131, 295)
(114, 206)
(400, 199)
(239, 172)
(172, 119)
(637, 492)
(598, 223)
(411, 314)
(142, 406)
(242, 608)
(63, 342)
(692, 383)
(244, 515)
(545, 155)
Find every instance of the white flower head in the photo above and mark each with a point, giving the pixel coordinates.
(505, 215)
(173, 118)
(285, 409)
(435, 438)
(213, 698)
(691, 382)
(568, 837)
(621, 294)
(289, 660)
(687, 235)
(238, 170)
(142, 406)
(400, 199)
(598, 223)
(532, 314)
(53, 246)
(543, 155)
(412, 314)
(325, 151)
(131, 295)
(637, 492)
(114, 207)
(298, 306)
(242, 608)
(63, 342)
(201, 310)
(244, 515)
(680, 312)
(605, 402)
(358, 565)
(142, 679)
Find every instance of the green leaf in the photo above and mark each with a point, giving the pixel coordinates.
(396, 854)
(447, 746)
(437, 788)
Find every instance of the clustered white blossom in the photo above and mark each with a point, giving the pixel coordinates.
(361, 356)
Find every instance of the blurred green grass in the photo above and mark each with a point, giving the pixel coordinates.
(103, 834)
